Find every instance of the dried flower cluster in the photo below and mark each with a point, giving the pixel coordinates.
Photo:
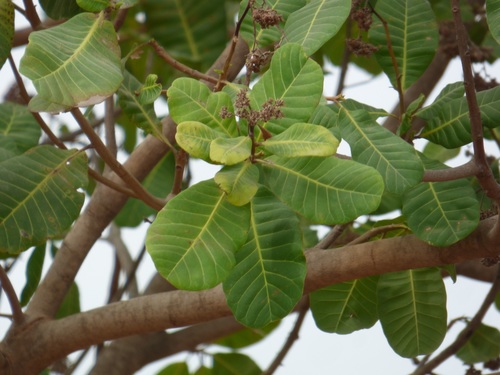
(361, 14)
(360, 48)
(266, 17)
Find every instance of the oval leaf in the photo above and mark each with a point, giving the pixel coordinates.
(193, 244)
(230, 151)
(39, 197)
(493, 18)
(482, 346)
(240, 182)
(6, 29)
(73, 64)
(412, 310)
(302, 140)
(195, 138)
(316, 23)
(325, 190)
(346, 307)
(293, 78)
(234, 364)
(268, 278)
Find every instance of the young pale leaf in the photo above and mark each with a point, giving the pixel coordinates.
(493, 18)
(39, 197)
(316, 23)
(73, 64)
(230, 151)
(482, 346)
(268, 278)
(158, 182)
(191, 100)
(93, 5)
(6, 29)
(325, 190)
(192, 31)
(373, 145)
(142, 115)
(33, 274)
(295, 79)
(240, 182)
(412, 310)
(234, 364)
(267, 37)
(449, 124)
(19, 131)
(195, 138)
(346, 307)
(150, 91)
(302, 140)
(193, 239)
(441, 213)
(414, 38)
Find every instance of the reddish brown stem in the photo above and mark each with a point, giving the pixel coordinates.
(15, 306)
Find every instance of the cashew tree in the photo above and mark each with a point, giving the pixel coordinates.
(114, 105)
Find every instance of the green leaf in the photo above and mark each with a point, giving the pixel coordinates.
(19, 131)
(58, 9)
(240, 182)
(493, 18)
(194, 237)
(414, 38)
(180, 368)
(6, 29)
(373, 145)
(235, 364)
(325, 190)
(441, 213)
(302, 139)
(230, 151)
(295, 79)
(142, 114)
(195, 138)
(33, 274)
(268, 279)
(412, 310)
(70, 304)
(191, 100)
(316, 23)
(159, 183)
(151, 90)
(269, 36)
(482, 346)
(93, 5)
(346, 307)
(191, 30)
(352, 105)
(39, 197)
(448, 124)
(247, 336)
(439, 153)
(73, 64)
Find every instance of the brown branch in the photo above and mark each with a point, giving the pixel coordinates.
(160, 51)
(15, 306)
(466, 333)
(161, 311)
(116, 166)
(346, 55)
(484, 175)
(332, 236)
(292, 338)
(109, 126)
(31, 14)
(468, 169)
(180, 163)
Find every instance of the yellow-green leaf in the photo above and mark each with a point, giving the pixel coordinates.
(230, 151)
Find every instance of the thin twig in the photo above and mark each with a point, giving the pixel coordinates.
(131, 275)
(346, 55)
(109, 126)
(234, 41)
(77, 363)
(375, 232)
(484, 175)
(466, 333)
(15, 306)
(394, 64)
(116, 166)
(160, 51)
(292, 337)
(180, 164)
(331, 237)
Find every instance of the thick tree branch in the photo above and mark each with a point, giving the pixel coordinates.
(468, 169)
(180, 308)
